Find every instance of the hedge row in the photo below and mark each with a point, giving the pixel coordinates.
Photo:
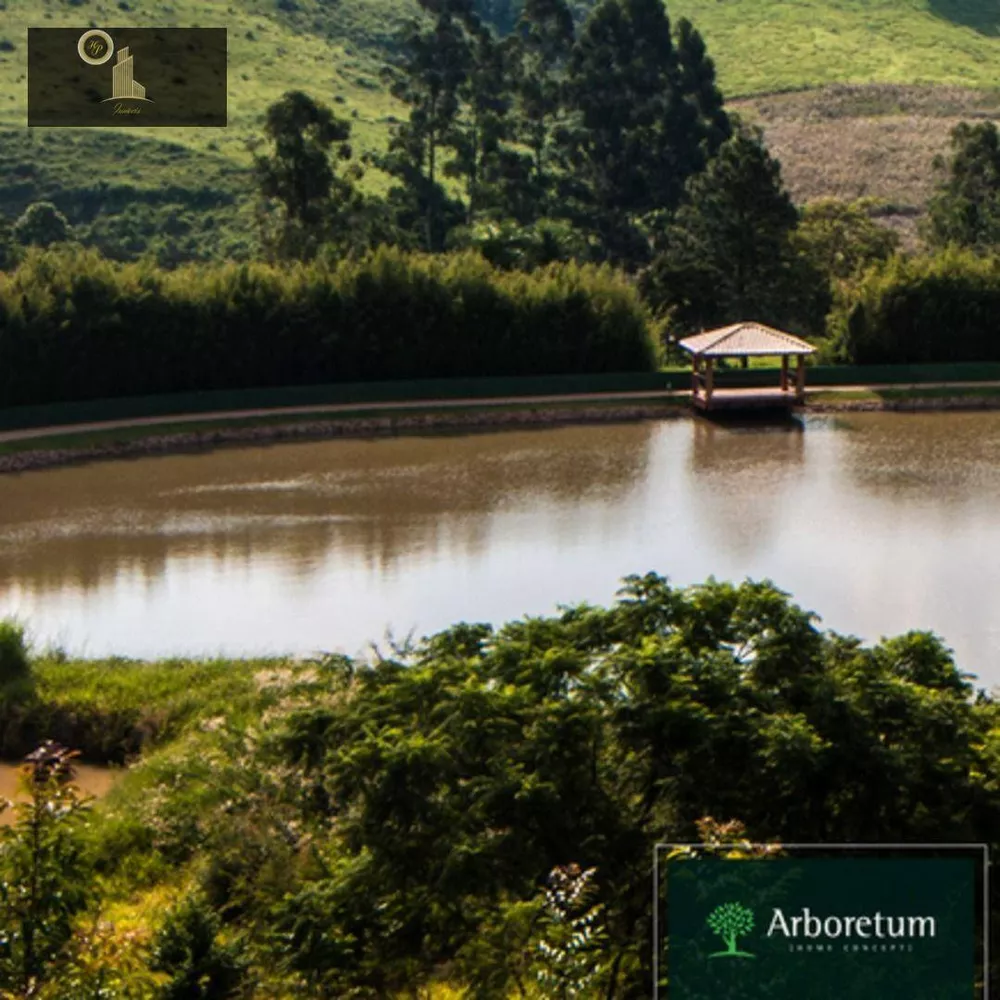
(74, 326)
(921, 310)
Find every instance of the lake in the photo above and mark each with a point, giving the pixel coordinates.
(90, 779)
(880, 522)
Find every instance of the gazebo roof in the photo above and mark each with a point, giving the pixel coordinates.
(743, 340)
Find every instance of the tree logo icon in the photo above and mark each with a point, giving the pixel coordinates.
(731, 921)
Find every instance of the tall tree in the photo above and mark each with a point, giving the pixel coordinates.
(638, 137)
(696, 78)
(481, 123)
(966, 209)
(298, 172)
(543, 46)
(436, 64)
(727, 256)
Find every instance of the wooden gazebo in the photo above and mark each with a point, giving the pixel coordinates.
(745, 340)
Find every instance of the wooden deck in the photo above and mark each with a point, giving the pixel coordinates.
(749, 399)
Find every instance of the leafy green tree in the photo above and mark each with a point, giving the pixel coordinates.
(840, 238)
(44, 881)
(481, 124)
(731, 921)
(317, 202)
(42, 224)
(459, 774)
(727, 255)
(966, 208)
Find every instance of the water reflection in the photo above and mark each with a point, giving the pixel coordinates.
(380, 501)
(880, 522)
(90, 779)
(765, 457)
(944, 460)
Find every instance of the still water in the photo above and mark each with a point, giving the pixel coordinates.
(878, 522)
(90, 779)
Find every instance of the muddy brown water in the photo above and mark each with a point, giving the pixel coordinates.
(90, 779)
(880, 522)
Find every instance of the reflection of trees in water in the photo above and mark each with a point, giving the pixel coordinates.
(741, 472)
(945, 459)
(296, 504)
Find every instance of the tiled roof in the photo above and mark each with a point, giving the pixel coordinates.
(744, 339)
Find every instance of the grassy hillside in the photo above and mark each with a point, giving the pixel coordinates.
(198, 177)
(767, 45)
(875, 141)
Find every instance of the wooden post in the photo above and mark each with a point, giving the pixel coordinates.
(708, 380)
(694, 376)
(800, 379)
(745, 361)
(784, 373)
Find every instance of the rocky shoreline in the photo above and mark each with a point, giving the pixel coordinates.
(388, 425)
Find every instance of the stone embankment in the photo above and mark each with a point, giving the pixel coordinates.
(353, 427)
(389, 424)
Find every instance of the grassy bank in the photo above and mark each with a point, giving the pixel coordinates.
(386, 826)
(927, 397)
(111, 709)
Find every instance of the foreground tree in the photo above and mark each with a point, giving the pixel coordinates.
(43, 881)
(458, 774)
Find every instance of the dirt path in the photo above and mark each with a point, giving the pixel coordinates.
(423, 404)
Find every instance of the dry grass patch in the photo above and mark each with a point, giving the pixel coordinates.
(876, 141)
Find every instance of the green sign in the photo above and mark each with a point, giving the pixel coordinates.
(819, 929)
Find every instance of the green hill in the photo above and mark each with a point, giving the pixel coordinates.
(335, 49)
(768, 45)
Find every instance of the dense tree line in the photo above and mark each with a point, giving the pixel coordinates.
(921, 310)
(75, 326)
(538, 132)
(429, 811)
(599, 127)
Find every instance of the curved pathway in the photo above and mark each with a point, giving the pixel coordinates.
(427, 404)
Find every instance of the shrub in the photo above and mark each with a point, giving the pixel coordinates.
(921, 310)
(14, 660)
(74, 326)
(188, 950)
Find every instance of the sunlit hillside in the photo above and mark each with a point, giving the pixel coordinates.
(335, 49)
